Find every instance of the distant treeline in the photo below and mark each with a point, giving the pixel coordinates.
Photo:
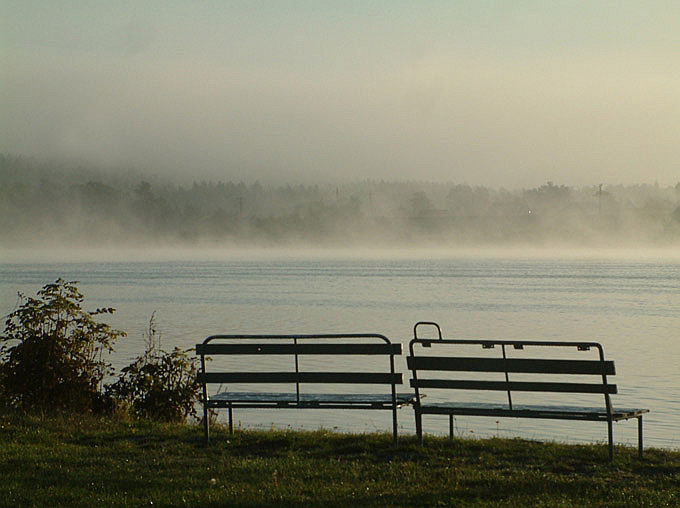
(41, 202)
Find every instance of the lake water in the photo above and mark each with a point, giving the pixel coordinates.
(631, 306)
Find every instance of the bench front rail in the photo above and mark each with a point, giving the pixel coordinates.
(287, 354)
(511, 367)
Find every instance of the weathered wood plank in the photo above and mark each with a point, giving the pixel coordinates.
(529, 411)
(301, 377)
(348, 398)
(517, 365)
(521, 386)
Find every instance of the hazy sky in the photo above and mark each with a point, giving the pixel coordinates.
(502, 93)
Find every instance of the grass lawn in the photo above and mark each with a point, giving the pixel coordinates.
(89, 461)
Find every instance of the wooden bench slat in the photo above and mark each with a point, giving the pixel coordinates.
(517, 365)
(522, 386)
(529, 411)
(301, 349)
(247, 377)
(301, 377)
(401, 398)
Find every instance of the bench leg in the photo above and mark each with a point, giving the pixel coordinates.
(206, 424)
(639, 418)
(231, 420)
(419, 425)
(610, 431)
(394, 425)
(450, 426)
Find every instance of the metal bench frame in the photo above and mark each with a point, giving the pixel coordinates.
(297, 346)
(419, 364)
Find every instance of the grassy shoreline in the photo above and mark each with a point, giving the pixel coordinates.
(85, 461)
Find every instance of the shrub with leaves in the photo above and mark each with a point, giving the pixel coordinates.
(159, 385)
(51, 356)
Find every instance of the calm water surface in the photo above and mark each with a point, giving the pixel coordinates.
(631, 307)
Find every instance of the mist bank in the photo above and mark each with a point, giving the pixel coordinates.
(47, 205)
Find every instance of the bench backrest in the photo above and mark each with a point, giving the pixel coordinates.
(296, 347)
(442, 368)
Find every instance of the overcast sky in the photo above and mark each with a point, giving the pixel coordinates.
(496, 93)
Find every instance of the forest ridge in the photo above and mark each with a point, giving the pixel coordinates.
(42, 201)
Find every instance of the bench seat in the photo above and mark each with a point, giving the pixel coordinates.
(597, 414)
(320, 400)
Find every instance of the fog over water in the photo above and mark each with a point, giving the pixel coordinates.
(482, 93)
(46, 205)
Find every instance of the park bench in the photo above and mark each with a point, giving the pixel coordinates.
(274, 371)
(508, 371)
